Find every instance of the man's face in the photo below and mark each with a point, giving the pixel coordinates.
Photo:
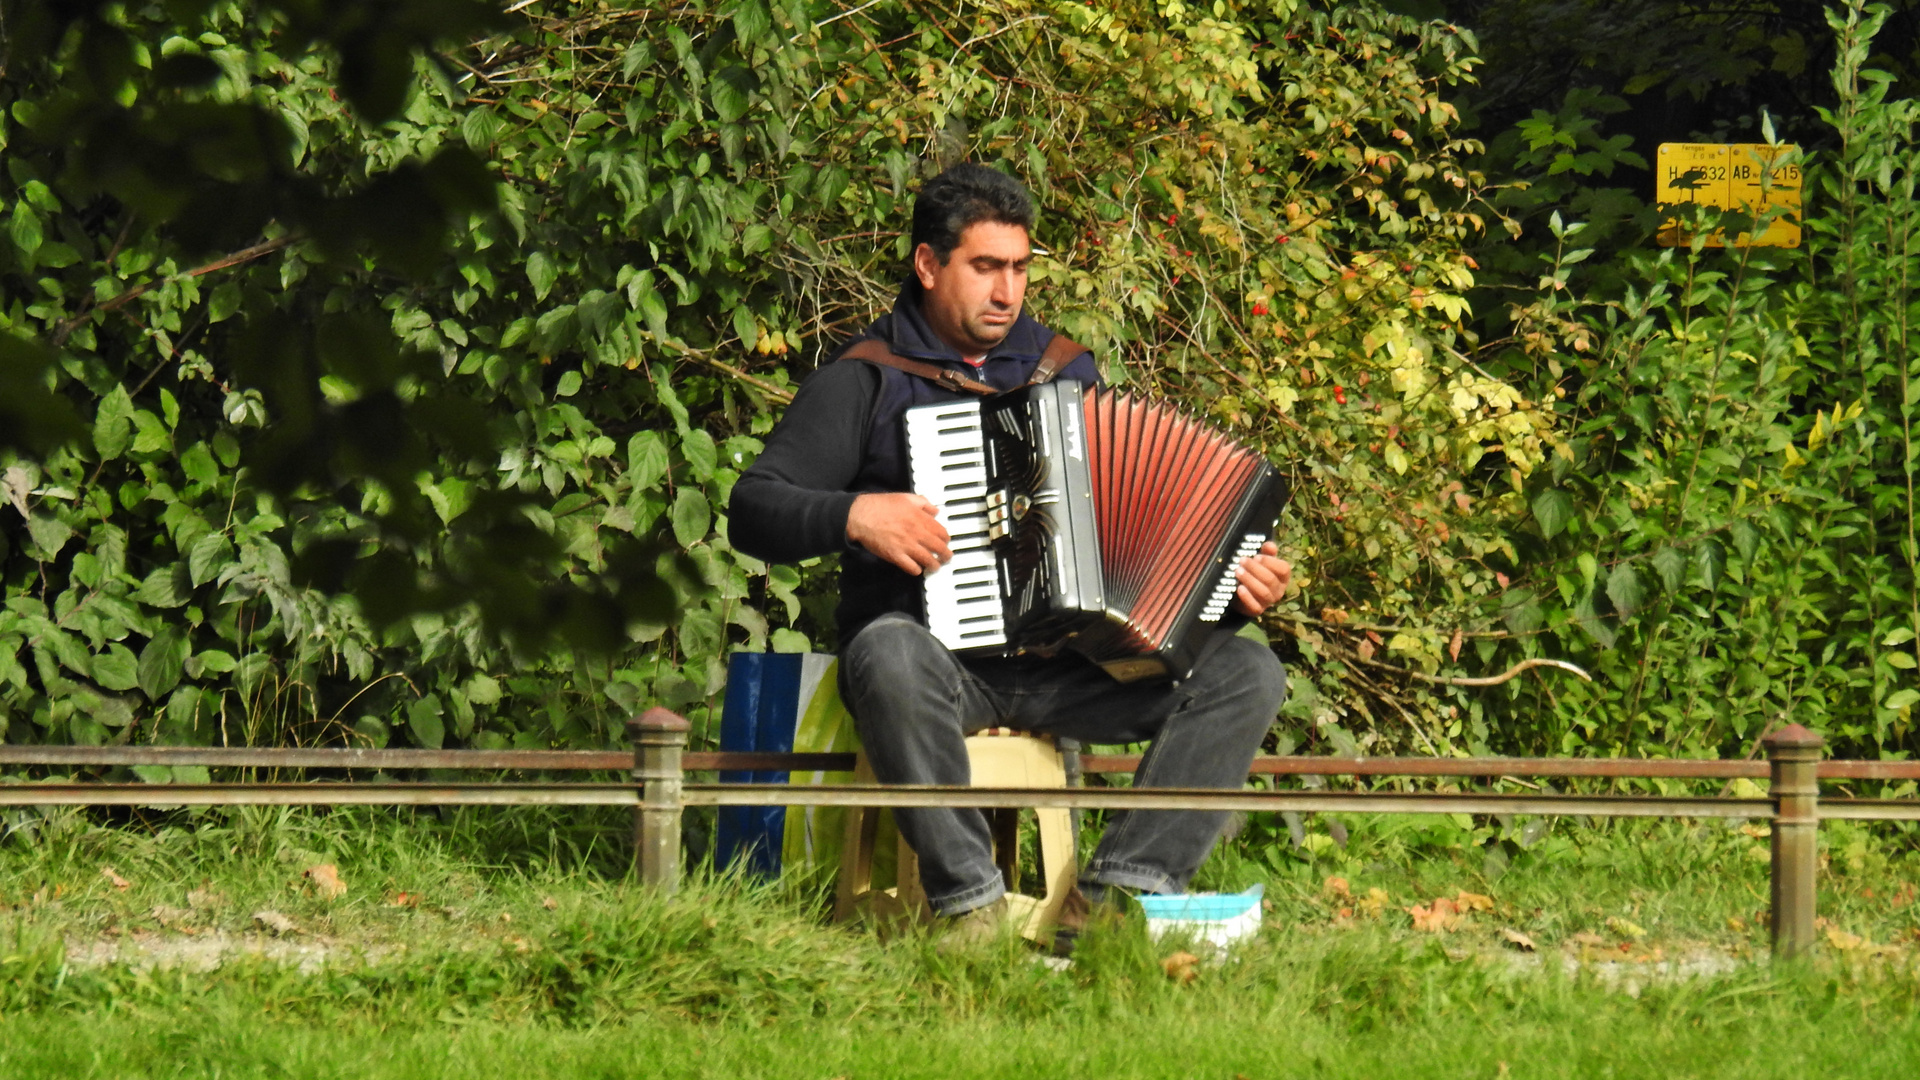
(972, 300)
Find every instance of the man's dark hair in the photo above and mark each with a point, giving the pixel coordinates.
(964, 195)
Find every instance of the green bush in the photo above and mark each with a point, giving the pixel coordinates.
(409, 401)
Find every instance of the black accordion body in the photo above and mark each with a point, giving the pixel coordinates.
(1087, 520)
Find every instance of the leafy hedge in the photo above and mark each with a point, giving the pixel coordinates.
(413, 362)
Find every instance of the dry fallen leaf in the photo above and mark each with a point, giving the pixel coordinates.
(549, 903)
(170, 917)
(1588, 937)
(1335, 887)
(1467, 901)
(1736, 924)
(1372, 904)
(205, 899)
(1626, 928)
(326, 881)
(274, 923)
(1840, 939)
(1181, 967)
(117, 881)
(1435, 918)
(1517, 939)
(404, 899)
(1453, 647)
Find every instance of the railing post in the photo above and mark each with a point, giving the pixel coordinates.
(1794, 753)
(659, 737)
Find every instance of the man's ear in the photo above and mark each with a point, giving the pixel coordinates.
(925, 265)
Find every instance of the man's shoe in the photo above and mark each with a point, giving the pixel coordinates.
(1077, 912)
(975, 929)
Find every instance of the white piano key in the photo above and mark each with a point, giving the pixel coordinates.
(948, 464)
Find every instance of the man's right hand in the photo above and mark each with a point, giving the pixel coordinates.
(901, 528)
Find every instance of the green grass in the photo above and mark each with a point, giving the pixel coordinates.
(520, 950)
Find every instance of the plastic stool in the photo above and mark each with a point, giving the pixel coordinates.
(999, 757)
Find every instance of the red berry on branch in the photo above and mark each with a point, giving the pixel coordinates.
(1259, 309)
(1340, 394)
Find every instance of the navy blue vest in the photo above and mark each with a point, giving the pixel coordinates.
(869, 586)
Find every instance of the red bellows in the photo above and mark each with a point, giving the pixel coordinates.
(1166, 489)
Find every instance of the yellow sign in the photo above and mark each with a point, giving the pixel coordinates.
(1747, 177)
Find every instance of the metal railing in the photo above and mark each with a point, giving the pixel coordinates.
(659, 791)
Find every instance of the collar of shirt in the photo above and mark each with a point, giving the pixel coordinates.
(911, 336)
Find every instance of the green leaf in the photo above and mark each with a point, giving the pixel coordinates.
(481, 128)
(691, 516)
(1903, 661)
(49, 535)
(113, 424)
(423, 719)
(25, 230)
(211, 662)
(1626, 589)
(701, 454)
(161, 663)
(150, 435)
(1552, 508)
(1746, 540)
(483, 689)
(116, 669)
(1901, 699)
(542, 273)
(829, 184)
(199, 465)
(647, 460)
(729, 91)
(569, 384)
(663, 386)
(224, 302)
(1671, 563)
(745, 326)
(207, 557)
(789, 641)
(700, 633)
(1521, 612)
(1898, 636)
(1590, 621)
(1711, 558)
(751, 23)
(654, 310)
(166, 587)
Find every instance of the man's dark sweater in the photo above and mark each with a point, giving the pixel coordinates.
(843, 436)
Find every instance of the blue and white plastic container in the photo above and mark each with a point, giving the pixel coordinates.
(1219, 919)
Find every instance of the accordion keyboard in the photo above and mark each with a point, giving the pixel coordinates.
(946, 451)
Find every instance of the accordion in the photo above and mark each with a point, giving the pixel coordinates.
(1088, 520)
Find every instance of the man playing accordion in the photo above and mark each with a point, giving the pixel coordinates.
(835, 478)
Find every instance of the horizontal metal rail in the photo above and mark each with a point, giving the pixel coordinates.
(1870, 809)
(338, 794)
(709, 761)
(318, 794)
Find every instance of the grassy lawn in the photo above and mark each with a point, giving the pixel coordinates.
(508, 944)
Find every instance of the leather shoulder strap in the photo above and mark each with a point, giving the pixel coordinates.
(1061, 351)
(875, 351)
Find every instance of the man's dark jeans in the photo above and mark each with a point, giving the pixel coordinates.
(913, 703)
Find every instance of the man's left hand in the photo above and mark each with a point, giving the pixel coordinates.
(1263, 580)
